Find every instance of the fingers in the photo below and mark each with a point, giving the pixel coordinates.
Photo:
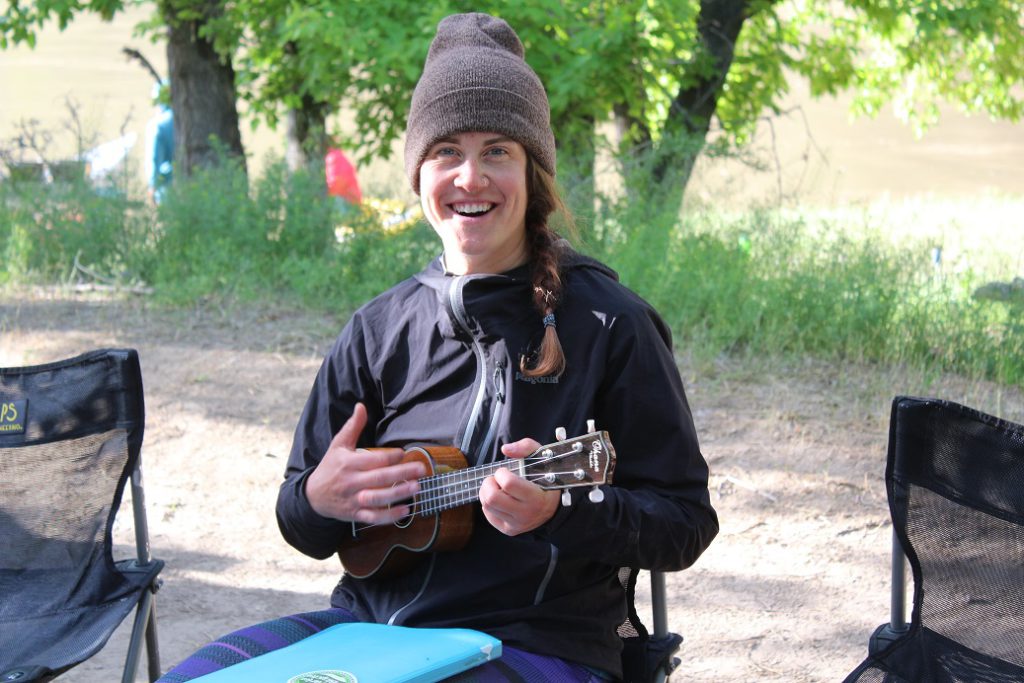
(361, 459)
(521, 448)
(353, 484)
(513, 486)
(513, 505)
(348, 435)
(375, 508)
(383, 492)
(381, 467)
(361, 486)
(393, 488)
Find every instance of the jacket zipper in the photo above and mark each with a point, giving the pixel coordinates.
(455, 301)
(393, 620)
(498, 380)
(552, 563)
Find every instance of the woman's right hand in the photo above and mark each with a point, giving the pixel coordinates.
(354, 484)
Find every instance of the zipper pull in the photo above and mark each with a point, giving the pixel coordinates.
(498, 380)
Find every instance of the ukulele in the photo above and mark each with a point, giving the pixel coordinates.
(440, 518)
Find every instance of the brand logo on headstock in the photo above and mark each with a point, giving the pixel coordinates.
(595, 455)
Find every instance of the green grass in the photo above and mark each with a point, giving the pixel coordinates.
(59, 232)
(858, 285)
(854, 286)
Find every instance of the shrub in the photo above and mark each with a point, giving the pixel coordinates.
(762, 282)
(63, 231)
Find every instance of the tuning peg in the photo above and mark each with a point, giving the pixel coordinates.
(591, 427)
(566, 498)
(596, 495)
(560, 433)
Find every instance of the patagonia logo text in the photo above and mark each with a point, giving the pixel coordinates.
(13, 416)
(547, 379)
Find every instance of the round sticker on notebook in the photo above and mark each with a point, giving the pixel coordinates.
(324, 677)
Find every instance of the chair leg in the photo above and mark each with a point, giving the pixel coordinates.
(659, 608)
(152, 645)
(139, 629)
(898, 598)
(659, 604)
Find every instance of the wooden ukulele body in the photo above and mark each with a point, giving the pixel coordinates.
(391, 550)
(441, 517)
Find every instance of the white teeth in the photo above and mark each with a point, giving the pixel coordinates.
(472, 208)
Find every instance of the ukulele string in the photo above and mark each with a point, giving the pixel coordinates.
(437, 488)
(436, 499)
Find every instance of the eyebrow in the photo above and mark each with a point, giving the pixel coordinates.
(496, 140)
(489, 141)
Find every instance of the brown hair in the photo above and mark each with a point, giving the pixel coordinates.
(546, 248)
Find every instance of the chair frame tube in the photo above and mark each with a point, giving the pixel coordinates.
(660, 620)
(898, 598)
(145, 615)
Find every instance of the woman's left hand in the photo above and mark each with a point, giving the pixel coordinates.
(511, 504)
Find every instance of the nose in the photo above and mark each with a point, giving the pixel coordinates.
(471, 176)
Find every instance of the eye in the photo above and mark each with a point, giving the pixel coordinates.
(497, 151)
(444, 151)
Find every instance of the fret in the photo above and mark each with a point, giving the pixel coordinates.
(587, 460)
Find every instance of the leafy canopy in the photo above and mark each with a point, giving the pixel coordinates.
(632, 57)
(635, 56)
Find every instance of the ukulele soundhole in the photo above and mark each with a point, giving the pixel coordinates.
(406, 521)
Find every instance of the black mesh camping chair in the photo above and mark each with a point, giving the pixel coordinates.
(647, 656)
(70, 440)
(955, 482)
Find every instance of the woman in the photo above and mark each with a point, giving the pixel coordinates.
(506, 337)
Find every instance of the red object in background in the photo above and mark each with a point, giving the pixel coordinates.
(341, 177)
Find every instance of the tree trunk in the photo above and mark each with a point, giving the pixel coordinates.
(202, 95)
(306, 134)
(305, 126)
(689, 119)
(669, 164)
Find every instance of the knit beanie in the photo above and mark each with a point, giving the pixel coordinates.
(475, 80)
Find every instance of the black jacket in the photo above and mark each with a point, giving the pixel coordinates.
(435, 359)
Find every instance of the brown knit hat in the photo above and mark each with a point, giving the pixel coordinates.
(475, 80)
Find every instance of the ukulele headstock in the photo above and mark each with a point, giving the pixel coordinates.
(586, 460)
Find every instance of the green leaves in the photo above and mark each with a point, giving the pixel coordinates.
(363, 55)
(914, 55)
(20, 20)
(648, 62)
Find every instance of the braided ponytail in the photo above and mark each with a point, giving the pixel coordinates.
(545, 256)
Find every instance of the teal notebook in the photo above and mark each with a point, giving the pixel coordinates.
(367, 653)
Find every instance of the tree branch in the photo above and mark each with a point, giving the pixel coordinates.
(718, 25)
(132, 53)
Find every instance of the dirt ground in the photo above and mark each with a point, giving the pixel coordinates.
(790, 590)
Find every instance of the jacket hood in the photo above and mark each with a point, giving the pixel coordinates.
(434, 275)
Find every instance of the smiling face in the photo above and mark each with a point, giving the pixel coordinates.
(473, 192)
